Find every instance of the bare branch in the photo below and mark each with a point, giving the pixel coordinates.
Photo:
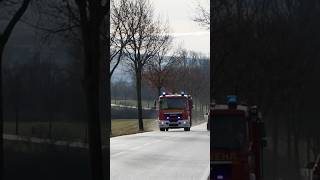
(203, 16)
(17, 16)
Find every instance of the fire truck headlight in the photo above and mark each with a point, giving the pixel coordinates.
(184, 122)
(167, 117)
(220, 177)
(179, 117)
(162, 122)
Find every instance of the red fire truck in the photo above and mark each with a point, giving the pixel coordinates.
(175, 111)
(237, 140)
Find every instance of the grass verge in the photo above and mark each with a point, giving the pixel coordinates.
(75, 131)
(130, 126)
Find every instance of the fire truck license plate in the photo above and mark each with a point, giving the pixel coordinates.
(224, 156)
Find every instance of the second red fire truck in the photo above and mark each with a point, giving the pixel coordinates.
(237, 140)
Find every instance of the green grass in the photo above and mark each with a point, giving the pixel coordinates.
(75, 131)
(60, 130)
(130, 126)
(133, 103)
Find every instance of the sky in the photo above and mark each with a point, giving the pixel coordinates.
(187, 33)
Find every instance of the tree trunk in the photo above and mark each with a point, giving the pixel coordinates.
(106, 88)
(17, 117)
(275, 147)
(92, 98)
(212, 60)
(4, 37)
(308, 148)
(1, 119)
(296, 155)
(92, 79)
(296, 136)
(159, 90)
(139, 102)
(107, 101)
(289, 150)
(52, 109)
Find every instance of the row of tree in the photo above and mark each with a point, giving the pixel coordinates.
(89, 18)
(82, 85)
(137, 37)
(186, 71)
(267, 53)
(4, 37)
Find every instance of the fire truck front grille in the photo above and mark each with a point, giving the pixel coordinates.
(174, 117)
(221, 171)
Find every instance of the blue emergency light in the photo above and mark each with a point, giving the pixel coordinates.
(232, 101)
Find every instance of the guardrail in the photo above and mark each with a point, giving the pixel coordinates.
(72, 144)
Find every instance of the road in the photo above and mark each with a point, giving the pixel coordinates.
(171, 155)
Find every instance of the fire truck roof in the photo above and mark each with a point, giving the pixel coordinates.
(175, 96)
(225, 107)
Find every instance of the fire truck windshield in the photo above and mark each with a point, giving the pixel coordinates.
(172, 103)
(229, 131)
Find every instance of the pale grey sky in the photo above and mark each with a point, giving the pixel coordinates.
(179, 13)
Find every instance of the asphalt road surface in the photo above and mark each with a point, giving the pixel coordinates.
(171, 155)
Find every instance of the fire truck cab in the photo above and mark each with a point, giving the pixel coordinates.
(175, 111)
(237, 141)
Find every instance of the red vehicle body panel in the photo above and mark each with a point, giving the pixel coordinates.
(176, 115)
(243, 161)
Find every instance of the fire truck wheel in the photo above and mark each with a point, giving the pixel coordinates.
(162, 129)
(167, 129)
(187, 129)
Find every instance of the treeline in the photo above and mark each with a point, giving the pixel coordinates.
(41, 89)
(267, 53)
(188, 72)
(192, 77)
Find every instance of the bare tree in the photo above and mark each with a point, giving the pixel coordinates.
(4, 37)
(92, 15)
(148, 37)
(156, 71)
(190, 75)
(118, 38)
(203, 16)
(90, 20)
